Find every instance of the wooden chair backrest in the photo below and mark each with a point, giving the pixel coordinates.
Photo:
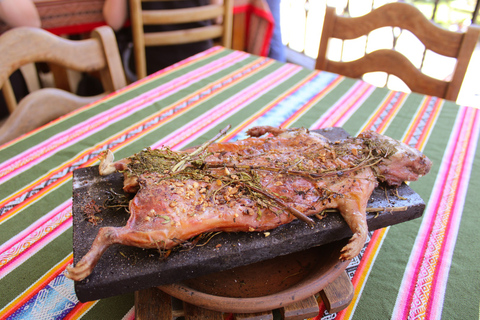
(140, 17)
(24, 45)
(459, 45)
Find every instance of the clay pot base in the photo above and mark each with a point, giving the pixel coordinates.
(265, 285)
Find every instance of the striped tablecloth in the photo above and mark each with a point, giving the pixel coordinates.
(425, 268)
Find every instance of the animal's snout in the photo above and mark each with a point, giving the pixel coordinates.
(423, 165)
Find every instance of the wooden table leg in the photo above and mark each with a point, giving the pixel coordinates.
(153, 304)
(338, 294)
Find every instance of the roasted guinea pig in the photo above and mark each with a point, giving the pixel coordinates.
(256, 184)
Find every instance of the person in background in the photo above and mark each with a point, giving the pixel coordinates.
(116, 13)
(17, 13)
(277, 49)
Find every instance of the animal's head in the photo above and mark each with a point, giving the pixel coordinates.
(404, 163)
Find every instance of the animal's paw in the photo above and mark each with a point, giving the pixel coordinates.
(107, 165)
(353, 248)
(79, 272)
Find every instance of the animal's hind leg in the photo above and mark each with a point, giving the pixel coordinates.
(104, 239)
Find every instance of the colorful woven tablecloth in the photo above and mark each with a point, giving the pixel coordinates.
(424, 268)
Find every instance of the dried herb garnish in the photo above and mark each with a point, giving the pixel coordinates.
(90, 210)
(244, 179)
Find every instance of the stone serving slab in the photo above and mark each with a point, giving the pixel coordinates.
(124, 269)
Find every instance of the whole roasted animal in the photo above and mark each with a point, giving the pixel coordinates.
(256, 184)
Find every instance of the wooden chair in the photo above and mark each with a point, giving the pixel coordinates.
(140, 17)
(458, 45)
(25, 45)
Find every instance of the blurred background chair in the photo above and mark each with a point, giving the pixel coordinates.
(218, 16)
(458, 45)
(26, 45)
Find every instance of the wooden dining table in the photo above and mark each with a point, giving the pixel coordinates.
(424, 268)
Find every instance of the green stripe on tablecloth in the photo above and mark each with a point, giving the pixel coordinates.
(163, 78)
(167, 101)
(462, 296)
(358, 120)
(307, 119)
(35, 267)
(382, 287)
(87, 113)
(249, 110)
(201, 108)
(405, 115)
(24, 178)
(28, 215)
(111, 308)
(435, 148)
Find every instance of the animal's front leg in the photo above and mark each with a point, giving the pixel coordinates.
(355, 216)
(105, 237)
(355, 190)
(358, 224)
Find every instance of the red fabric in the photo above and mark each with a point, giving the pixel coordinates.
(76, 29)
(259, 25)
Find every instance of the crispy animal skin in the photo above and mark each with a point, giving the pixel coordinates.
(254, 185)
